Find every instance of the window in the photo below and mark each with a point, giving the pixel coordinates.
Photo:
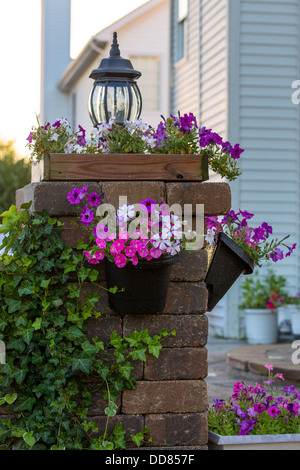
(182, 13)
(149, 81)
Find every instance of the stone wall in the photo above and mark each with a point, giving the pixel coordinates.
(170, 398)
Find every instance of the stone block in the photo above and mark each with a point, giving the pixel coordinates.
(103, 327)
(177, 364)
(191, 330)
(131, 424)
(52, 196)
(216, 197)
(71, 234)
(174, 396)
(135, 191)
(191, 267)
(186, 297)
(177, 429)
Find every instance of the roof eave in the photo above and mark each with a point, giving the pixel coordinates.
(93, 49)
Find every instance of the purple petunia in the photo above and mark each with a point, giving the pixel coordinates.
(277, 255)
(246, 427)
(87, 216)
(94, 199)
(76, 195)
(291, 250)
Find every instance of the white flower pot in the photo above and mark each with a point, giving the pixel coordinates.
(267, 442)
(294, 311)
(261, 326)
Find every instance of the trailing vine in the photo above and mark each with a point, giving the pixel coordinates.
(44, 385)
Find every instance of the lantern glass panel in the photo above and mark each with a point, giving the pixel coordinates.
(136, 102)
(118, 101)
(96, 104)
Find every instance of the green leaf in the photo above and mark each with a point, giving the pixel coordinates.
(154, 349)
(45, 283)
(27, 334)
(24, 403)
(13, 305)
(139, 354)
(57, 302)
(29, 439)
(16, 344)
(81, 364)
(10, 399)
(37, 324)
(89, 348)
(19, 375)
(73, 333)
(81, 245)
(111, 410)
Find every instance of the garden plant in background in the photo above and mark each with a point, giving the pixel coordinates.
(257, 409)
(14, 174)
(262, 296)
(174, 135)
(264, 292)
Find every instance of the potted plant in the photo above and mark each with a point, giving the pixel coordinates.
(235, 248)
(176, 151)
(258, 417)
(261, 297)
(139, 244)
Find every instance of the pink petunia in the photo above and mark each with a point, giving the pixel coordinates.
(120, 260)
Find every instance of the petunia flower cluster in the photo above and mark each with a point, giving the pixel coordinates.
(255, 241)
(144, 231)
(55, 138)
(257, 410)
(182, 135)
(174, 135)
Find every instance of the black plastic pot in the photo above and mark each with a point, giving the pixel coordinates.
(145, 285)
(228, 263)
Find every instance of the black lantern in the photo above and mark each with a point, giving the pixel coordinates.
(115, 92)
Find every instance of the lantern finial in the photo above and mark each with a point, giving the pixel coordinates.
(114, 51)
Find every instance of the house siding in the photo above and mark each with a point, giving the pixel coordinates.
(186, 72)
(267, 123)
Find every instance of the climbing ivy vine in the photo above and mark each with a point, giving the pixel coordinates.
(44, 385)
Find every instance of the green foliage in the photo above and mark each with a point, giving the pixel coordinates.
(14, 174)
(50, 359)
(263, 292)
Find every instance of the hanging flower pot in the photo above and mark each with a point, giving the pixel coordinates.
(142, 289)
(228, 263)
(238, 252)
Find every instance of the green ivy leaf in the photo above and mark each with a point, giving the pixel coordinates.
(37, 324)
(139, 354)
(24, 403)
(81, 364)
(29, 439)
(14, 305)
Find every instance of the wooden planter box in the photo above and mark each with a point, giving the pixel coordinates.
(267, 442)
(120, 167)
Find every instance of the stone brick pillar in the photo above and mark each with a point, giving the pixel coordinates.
(170, 398)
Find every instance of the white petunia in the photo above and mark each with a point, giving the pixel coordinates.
(210, 237)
